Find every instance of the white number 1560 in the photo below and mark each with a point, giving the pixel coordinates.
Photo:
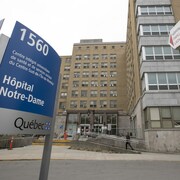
(33, 41)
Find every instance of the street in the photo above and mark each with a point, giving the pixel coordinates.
(91, 170)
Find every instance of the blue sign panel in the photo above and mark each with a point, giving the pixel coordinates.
(29, 73)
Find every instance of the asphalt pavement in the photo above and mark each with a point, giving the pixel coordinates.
(66, 164)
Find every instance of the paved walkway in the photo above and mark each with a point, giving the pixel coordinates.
(34, 152)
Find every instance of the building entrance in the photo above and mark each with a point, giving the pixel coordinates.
(98, 128)
(85, 129)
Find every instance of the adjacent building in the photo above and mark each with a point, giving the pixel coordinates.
(132, 85)
(153, 73)
(93, 87)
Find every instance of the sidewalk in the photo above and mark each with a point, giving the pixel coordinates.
(34, 152)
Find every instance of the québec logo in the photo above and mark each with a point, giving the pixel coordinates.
(21, 124)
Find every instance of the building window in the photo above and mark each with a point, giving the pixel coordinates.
(95, 56)
(86, 56)
(64, 86)
(73, 104)
(160, 53)
(75, 83)
(104, 47)
(96, 47)
(113, 64)
(103, 104)
(104, 74)
(166, 117)
(112, 56)
(95, 74)
(94, 83)
(162, 81)
(154, 10)
(113, 93)
(103, 83)
(67, 68)
(77, 66)
(85, 74)
(74, 93)
(66, 76)
(112, 119)
(162, 117)
(104, 56)
(113, 73)
(62, 105)
(176, 116)
(83, 93)
(103, 93)
(94, 65)
(85, 119)
(113, 104)
(78, 57)
(93, 104)
(86, 65)
(76, 74)
(104, 65)
(83, 104)
(152, 30)
(94, 93)
(68, 60)
(64, 95)
(85, 83)
(98, 119)
(155, 118)
(113, 83)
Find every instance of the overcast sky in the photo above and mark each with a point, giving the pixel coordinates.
(64, 22)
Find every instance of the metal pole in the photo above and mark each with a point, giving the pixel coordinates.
(48, 143)
(46, 158)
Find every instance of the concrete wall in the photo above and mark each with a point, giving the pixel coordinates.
(161, 99)
(59, 126)
(162, 140)
(17, 142)
(137, 115)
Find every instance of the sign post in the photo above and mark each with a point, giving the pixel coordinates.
(29, 77)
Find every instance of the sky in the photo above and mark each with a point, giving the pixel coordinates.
(62, 23)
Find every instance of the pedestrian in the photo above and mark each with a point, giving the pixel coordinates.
(78, 132)
(128, 141)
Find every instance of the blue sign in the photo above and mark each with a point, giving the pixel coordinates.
(29, 73)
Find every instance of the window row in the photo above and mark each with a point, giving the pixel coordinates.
(95, 83)
(162, 117)
(97, 118)
(155, 10)
(99, 47)
(155, 30)
(162, 81)
(94, 104)
(94, 74)
(94, 93)
(95, 56)
(94, 65)
(159, 53)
